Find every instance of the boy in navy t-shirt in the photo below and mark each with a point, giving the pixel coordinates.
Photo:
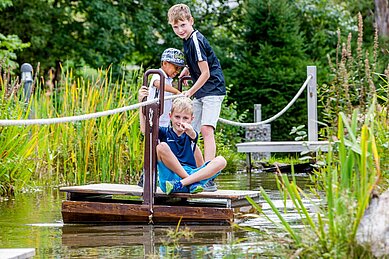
(205, 70)
(177, 170)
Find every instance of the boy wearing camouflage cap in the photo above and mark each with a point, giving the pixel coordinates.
(172, 61)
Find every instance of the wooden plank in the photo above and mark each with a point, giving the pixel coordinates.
(105, 188)
(282, 146)
(84, 211)
(134, 190)
(17, 253)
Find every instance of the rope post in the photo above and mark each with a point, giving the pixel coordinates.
(312, 104)
(26, 81)
(152, 113)
(27, 86)
(257, 133)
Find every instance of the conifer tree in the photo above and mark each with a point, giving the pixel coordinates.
(270, 65)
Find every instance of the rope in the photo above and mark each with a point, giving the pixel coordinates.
(256, 124)
(138, 105)
(81, 117)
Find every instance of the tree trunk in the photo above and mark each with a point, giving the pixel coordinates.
(382, 17)
(373, 230)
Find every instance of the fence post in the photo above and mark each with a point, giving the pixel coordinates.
(26, 81)
(312, 104)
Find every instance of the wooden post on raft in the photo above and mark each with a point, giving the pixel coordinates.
(152, 113)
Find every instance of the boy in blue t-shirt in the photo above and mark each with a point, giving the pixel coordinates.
(177, 170)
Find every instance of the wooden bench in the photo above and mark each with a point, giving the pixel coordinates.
(280, 146)
(120, 203)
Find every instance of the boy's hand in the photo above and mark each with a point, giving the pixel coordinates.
(142, 93)
(184, 72)
(187, 93)
(186, 126)
(188, 129)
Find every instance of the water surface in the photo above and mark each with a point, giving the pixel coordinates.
(34, 220)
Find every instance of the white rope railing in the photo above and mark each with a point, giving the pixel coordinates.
(255, 124)
(138, 105)
(81, 117)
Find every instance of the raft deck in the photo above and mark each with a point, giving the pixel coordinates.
(120, 203)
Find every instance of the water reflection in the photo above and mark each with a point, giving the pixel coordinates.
(153, 239)
(34, 220)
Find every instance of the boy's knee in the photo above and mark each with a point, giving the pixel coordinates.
(221, 161)
(163, 148)
(207, 130)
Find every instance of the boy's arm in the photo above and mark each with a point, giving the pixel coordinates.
(204, 76)
(168, 88)
(142, 93)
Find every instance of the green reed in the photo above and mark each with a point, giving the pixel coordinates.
(105, 149)
(344, 186)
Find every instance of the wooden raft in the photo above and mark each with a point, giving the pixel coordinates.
(119, 203)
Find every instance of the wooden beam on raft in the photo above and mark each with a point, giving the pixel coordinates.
(98, 212)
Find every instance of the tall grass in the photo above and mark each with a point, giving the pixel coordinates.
(355, 78)
(106, 149)
(345, 184)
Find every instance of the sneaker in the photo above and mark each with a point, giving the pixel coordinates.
(195, 188)
(210, 186)
(174, 186)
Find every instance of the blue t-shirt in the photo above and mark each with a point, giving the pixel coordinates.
(182, 146)
(197, 48)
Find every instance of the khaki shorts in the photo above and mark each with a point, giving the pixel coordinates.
(206, 111)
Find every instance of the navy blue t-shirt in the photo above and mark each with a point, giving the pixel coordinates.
(182, 146)
(196, 49)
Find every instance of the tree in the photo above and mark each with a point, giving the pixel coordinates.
(269, 65)
(98, 33)
(88, 32)
(9, 44)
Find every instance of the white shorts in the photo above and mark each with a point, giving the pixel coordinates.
(206, 111)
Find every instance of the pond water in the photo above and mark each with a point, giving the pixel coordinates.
(34, 220)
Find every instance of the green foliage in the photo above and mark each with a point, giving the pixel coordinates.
(270, 64)
(100, 33)
(17, 143)
(353, 83)
(228, 136)
(105, 149)
(352, 171)
(300, 133)
(9, 44)
(320, 22)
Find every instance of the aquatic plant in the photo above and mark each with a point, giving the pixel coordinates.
(105, 149)
(344, 186)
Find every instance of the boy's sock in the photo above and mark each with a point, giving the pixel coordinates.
(195, 188)
(173, 186)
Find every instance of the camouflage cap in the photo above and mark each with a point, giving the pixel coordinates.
(173, 56)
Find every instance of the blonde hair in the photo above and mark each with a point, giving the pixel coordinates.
(178, 12)
(182, 104)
